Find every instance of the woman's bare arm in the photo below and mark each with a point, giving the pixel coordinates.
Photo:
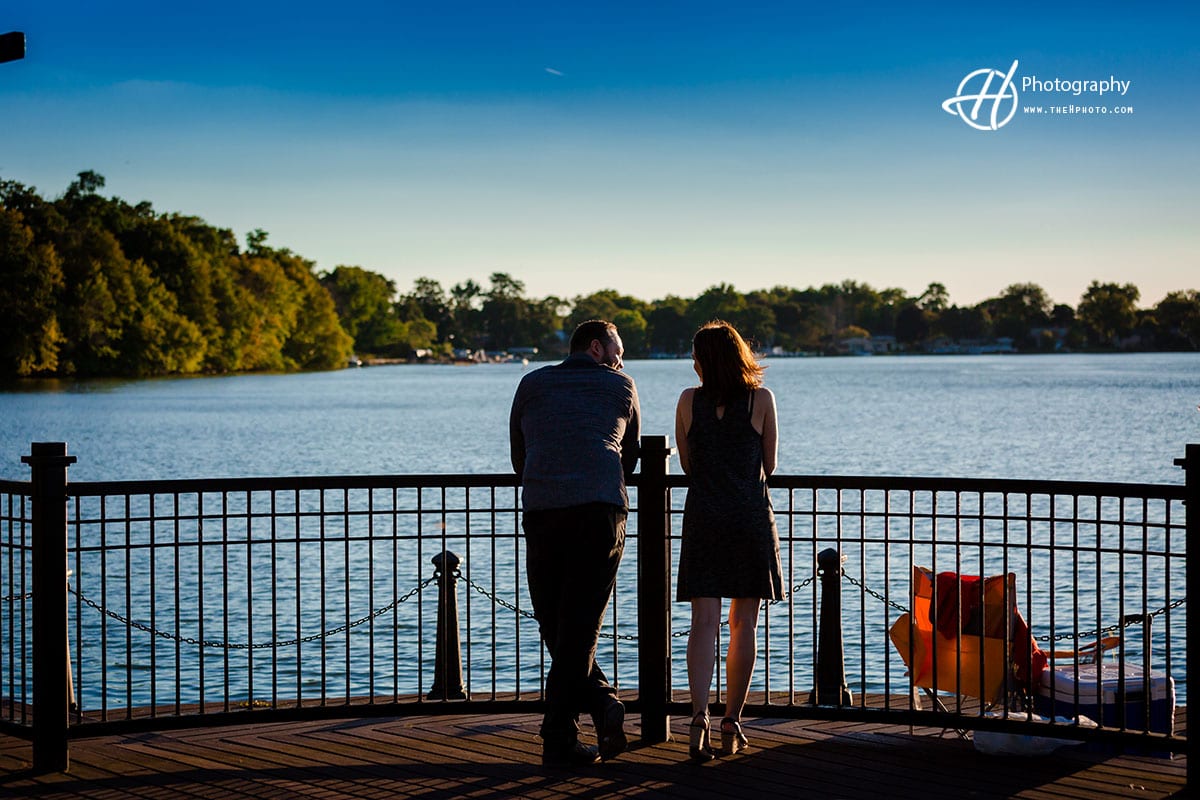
(683, 423)
(768, 426)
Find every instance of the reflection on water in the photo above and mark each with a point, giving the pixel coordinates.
(1085, 417)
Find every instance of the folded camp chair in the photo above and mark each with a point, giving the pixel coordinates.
(965, 636)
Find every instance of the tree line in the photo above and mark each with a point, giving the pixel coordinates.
(95, 286)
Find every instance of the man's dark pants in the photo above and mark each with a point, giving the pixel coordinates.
(571, 559)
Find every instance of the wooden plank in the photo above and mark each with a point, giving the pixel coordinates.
(488, 756)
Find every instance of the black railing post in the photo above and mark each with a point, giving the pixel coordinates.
(654, 591)
(831, 686)
(447, 659)
(1191, 469)
(48, 462)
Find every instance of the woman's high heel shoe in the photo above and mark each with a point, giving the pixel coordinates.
(700, 741)
(732, 738)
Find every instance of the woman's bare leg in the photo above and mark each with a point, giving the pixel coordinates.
(701, 650)
(743, 649)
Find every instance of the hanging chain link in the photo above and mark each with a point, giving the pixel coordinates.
(873, 593)
(175, 637)
(1100, 632)
(500, 601)
(1097, 633)
(14, 597)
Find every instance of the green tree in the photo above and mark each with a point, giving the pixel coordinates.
(466, 330)
(1017, 311)
(633, 329)
(912, 324)
(718, 302)
(364, 303)
(30, 280)
(1178, 316)
(960, 323)
(935, 298)
(669, 330)
(1108, 311)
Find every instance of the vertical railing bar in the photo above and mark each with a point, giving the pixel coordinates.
(1122, 717)
(201, 546)
(1147, 644)
(395, 594)
(815, 546)
(958, 606)
(466, 570)
(1168, 561)
(983, 549)
(104, 604)
(274, 534)
(912, 606)
(371, 595)
(1076, 549)
(324, 600)
(77, 662)
(1099, 561)
(296, 505)
(1052, 596)
(250, 599)
(934, 661)
(420, 564)
(887, 593)
(495, 652)
(516, 503)
(346, 581)
(177, 610)
(791, 619)
(1028, 597)
(128, 550)
(443, 546)
(153, 608)
(838, 529)
(862, 598)
(225, 595)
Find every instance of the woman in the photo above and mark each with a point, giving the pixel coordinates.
(726, 433)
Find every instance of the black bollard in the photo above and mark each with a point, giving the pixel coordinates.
(831, 686)
(447, 660)
(51, 655)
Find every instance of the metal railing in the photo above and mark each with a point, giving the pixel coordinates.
(230, 601)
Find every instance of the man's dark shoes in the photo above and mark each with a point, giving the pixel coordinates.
(610, 733)
(576, 754)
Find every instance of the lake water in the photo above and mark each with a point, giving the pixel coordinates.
(1086, 417)
(1117, 418)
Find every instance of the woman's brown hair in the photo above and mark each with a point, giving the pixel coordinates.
(727, 365)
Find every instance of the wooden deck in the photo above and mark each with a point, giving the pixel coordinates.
(494, 757)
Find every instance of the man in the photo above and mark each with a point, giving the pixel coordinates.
(573, 432)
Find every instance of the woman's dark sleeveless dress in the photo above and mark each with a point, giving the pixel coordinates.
(730, 545)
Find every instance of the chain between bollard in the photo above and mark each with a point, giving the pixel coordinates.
(219, 645)
(892, 603)
(1100, 632)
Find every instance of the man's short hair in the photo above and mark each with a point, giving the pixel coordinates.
(585, 332)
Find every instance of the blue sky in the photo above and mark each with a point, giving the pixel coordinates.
(651, 148)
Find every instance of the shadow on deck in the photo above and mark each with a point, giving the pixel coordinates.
(499, 756)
